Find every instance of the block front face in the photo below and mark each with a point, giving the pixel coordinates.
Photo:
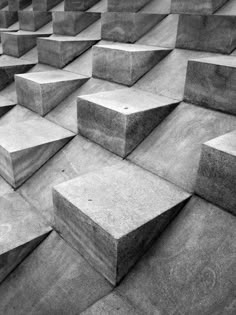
(79, 5)
(115, 211)
(126, 5)
(7, 18)
(15, 5)
(44, 5)
(216, 179)
(32, 20)
(196, 6)
(211, 82)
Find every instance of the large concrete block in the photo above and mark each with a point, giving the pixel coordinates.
(5, 105)
(127, 27)
(21, 231)
(42, 91)
(211, 82)
(79, 5)
(17, 44)
(72, 23)
(125, 63)
(59, 51)
(216, 179)
(212, 33)
(33, 20)
(7, 18)
(126, 5)
(16, 5)
(196, 6)
(119, 120)
(44, 5)
(113, 216)
(26, 146)
(9, 66)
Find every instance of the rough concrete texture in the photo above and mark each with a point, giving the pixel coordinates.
(59, 51)
(36, 90)
(126, 5)
(173, 149)
(44, 5)
(125, 63)
(21, 231)
(196, 6)
(127, 27)
(33, 20)
(211, 82)
(7, 18)
(72, 23)
(16, 5)
(79, 5)
(119, 120)
(113, 216)
(157, 7)
(57, 280)
(5, 105)
(208, 33)
(216, 180)
(26, 146)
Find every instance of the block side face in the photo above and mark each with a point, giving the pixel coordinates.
(10, 45)
(196, 6)
(126, 5)
(7, 18)
(6, 167)
(92, 242)
(15, 5)
(211, 86)
(216, 180)
(79, 5)
(44, 5)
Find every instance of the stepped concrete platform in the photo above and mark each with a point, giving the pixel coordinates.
(208, 33)
(9, 66)
(72, 23)
(119, 120)
(126, 5)
(173, 149)
(211, 82)
(21, 231)
(52, 280)
(203, 7)
(42, 91)
(5, 105)
(18, 43)
(44, 5)
(16, 5)
(127, 27)
(79, 5)
(25, 146)
(113, 216)
(125, 63)
(7, 18)
(191, 267)
(216, 181)
(58, 51)
(33, 20)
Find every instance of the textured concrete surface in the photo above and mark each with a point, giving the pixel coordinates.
(21, 230)
(119, 120)
(79, 5)
(72, 23)
(44, 5)
(33, 20)
(7, 18)
(173, 149)
(5, 105)
(126, 5)
(208, 33)
(3, 3)
(15, 5)
(211, 82)
(157, 7)
(125, 63)
(36, 90)
(191, 268)
(216, 179)
(26, 146)
(57, 280)
(59, 51)
(196, 6)
(127, 27)
(113, 216)
(228, 9)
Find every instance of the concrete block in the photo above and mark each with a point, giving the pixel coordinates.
(119, 120)
(3, 3)
(26, 146)
(7, 18)
(42, 91)
(125, 63)
(216, 180)
(16, 5)
(44, 5)
(127, 27)
(113, 216)
(126, 5)
(33, 20)
(5, 105)
(203, 7)
(79, 5)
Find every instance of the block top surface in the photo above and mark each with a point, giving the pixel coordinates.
(128, 101)
(19, 224)
(8, 61)
(227, 61)
(58, 38)
(30, 133)
(121, 198)
(130, 47)
(5, 102)
(50, 76)
(225, 143)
